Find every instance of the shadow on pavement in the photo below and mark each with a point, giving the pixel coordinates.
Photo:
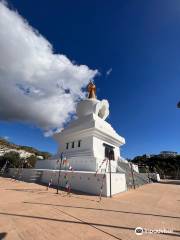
(79, 221)
(2, 235)
(101, 209)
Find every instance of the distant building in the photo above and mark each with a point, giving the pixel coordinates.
(165, 154)
(168, 153)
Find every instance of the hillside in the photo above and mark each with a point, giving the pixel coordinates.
(167, 166)
(24, 151)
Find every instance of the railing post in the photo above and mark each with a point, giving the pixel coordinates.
(110, 177)
(59, 172)
(132, 172)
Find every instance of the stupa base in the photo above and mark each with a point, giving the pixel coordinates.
(87, 182)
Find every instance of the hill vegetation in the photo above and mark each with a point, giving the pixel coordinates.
(166, 166)
(11, 152)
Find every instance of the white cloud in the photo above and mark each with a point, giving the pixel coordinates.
(108, 72)
(36, 85)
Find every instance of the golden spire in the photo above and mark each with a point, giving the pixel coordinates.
(91, 88)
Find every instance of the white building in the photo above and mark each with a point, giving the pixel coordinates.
(88, 141)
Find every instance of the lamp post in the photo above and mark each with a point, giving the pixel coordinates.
(59, 172)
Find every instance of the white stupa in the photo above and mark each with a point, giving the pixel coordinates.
(86, 142)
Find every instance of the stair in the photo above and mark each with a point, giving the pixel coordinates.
(139, 179)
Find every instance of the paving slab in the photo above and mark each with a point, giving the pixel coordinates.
(28, 211)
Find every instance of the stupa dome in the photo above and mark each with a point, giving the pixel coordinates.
(92, 104)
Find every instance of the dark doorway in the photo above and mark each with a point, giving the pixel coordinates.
(109, 151)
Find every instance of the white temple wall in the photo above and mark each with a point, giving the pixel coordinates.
(117, 153)
(86, 182)
(86, 144)
(87, 157)
(46, 164)
(80, 158)
(99, 152)
(118, 183)
(83, 163)
(77, 163)
(98, 148)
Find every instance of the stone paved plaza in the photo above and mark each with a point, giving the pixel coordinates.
(28, 211)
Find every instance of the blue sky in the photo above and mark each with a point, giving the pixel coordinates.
(140, 41)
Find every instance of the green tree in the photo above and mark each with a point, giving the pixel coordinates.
(164, 165)
(30, 161)
(12, 157)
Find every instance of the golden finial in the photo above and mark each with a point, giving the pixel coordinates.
(91, 88)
